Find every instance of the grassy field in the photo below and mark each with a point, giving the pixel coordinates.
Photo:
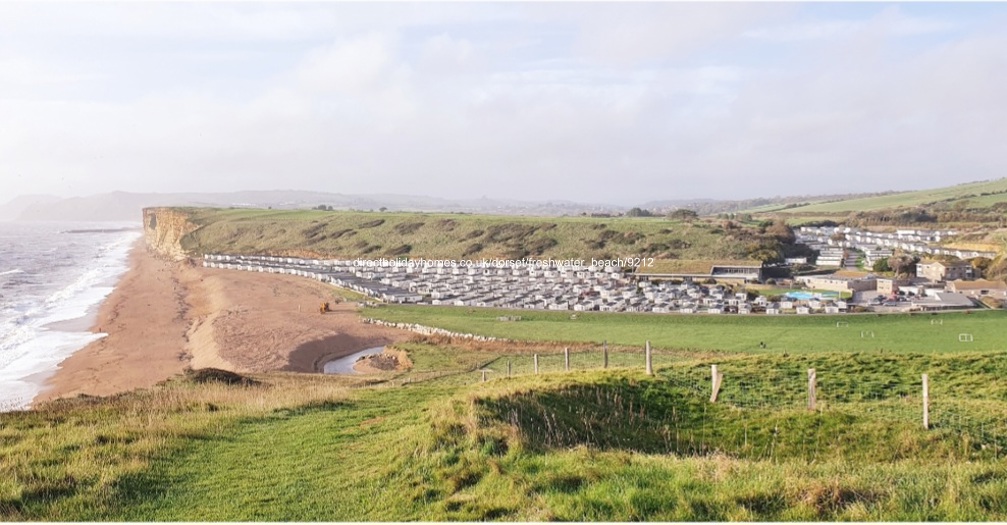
(435, 443)
(732, 333)
(451, 236)
(972, 192)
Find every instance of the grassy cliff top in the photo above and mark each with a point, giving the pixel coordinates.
(975, 195)
(451, 236)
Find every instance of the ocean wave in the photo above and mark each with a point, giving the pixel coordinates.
(27, 345)
(11, 272)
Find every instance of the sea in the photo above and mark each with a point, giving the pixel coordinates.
(53, 277)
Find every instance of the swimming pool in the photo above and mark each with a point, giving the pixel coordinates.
(804, 296)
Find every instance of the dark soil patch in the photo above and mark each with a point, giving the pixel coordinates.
(472, 235)
(472, 249)
(510, 232)
(407, 228)
(399, 250)
(348, 232)
(447, 224)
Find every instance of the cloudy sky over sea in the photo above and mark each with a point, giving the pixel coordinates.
(596, 102)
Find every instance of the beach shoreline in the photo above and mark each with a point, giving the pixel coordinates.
(165, 316)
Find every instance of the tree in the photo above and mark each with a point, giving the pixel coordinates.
(881, 265)
(997, 269)
(683, 214)
(782, 232)
(639, 212)
(903, 265)
(981, 264)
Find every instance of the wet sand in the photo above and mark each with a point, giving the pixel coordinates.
(164, 316)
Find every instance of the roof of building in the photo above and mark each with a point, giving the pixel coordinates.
(947, 264)
(695, 266)
(979, 284)
(944, 300)
(852, 274)
(840, 275)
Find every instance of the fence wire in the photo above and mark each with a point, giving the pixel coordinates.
(772, 406)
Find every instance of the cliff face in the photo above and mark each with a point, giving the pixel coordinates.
(164, 229)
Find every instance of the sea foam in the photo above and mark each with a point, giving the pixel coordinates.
(31, 349)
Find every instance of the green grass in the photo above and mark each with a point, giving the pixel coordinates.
(588, 445)
(790, 333)
(970, 192)
(449, 236)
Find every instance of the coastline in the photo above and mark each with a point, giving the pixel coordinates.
(136, 351)
(165, 316)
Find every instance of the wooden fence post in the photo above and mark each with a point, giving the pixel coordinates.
(717, 378)
(484, 376)
(812, 377)
(536, 363)
(926, 401)
(650, 366)
(605, 353)
(508, 368)
(566, 359)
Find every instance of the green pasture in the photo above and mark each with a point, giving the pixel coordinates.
(450, 236)
(971, 192)
(903, 333)
(437, 444)
(581, 445)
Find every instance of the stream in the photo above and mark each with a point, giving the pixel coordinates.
(344, 365)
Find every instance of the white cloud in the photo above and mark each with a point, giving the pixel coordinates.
(666, 101)
(445, 54)
(354, 67)
(890, 20)
(627, 33)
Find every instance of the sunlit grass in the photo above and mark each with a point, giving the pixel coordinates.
(437, 443)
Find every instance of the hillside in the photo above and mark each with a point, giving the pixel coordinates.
(456, 236)
(975, 195)
(436, 443)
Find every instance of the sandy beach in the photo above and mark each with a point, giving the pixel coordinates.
(164, 316)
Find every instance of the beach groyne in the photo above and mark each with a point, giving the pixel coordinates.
(164, 229)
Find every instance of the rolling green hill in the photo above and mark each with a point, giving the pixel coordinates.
(436, 443)
(978, 195)
(452, 236)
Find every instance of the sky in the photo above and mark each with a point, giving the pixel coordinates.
(618, 103)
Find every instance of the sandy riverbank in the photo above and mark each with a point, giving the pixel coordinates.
(164, 316)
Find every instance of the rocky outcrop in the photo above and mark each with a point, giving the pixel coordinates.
(164, 229)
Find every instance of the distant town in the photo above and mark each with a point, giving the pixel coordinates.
(674, 286)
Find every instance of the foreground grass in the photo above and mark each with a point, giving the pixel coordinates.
(792, 334)
(65, 460)
(436, 443)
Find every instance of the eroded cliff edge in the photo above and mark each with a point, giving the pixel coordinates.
(164, 230)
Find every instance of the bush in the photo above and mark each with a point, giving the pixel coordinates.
(992, 302)
(216, 375)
